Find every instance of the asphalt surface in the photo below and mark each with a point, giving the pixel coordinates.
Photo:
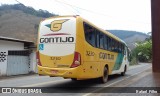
(65, 87)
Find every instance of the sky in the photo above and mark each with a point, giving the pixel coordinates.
(134, 15)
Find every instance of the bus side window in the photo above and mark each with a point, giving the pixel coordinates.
(122, 49)
(113, 45)
(97, 39)
(116, 44)
(125, 49)
(122, 46)
(93, 38)
(119, 47)
(109, 43)
(101, 37)
(89, 34)
(106, 43)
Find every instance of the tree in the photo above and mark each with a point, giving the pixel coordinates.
(143, 51)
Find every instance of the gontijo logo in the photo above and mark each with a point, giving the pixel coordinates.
(56, 25)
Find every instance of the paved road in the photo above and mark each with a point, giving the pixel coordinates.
(87, 87)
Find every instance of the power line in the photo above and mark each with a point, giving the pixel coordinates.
(19, 2)
(81, 8)
(93, 12)
(66, 7)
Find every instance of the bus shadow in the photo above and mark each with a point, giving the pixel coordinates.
(79, 86)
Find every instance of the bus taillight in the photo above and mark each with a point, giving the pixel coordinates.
(77, 60)
(38, 60)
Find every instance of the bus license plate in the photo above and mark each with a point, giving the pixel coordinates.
(54, 71)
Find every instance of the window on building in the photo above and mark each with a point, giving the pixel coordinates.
(19, 52)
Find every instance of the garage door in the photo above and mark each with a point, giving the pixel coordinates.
(17, 62)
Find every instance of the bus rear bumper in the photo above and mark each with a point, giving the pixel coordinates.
(59, 72)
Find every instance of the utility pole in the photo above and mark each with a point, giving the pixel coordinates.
(155, 10)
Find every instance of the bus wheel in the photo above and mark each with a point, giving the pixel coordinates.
(73, 79)
(104, 78)
(124, 72)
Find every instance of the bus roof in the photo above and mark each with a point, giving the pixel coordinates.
(61, 16)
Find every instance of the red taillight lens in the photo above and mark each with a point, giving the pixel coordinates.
(76, 60)
(37, 57)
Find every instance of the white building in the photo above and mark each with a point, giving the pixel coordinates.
(16, 57)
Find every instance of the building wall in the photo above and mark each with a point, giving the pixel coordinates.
(4, 47)
(33, 62)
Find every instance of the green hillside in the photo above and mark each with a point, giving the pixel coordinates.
(130, 37)
(27, 10)
(123, 34)
(20, 21)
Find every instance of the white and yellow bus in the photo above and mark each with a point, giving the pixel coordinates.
(72, 47)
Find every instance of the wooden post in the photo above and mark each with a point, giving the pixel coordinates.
(155, 10)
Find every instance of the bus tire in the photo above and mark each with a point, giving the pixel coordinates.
(73, 79)
(124, 72)
(104, 78)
